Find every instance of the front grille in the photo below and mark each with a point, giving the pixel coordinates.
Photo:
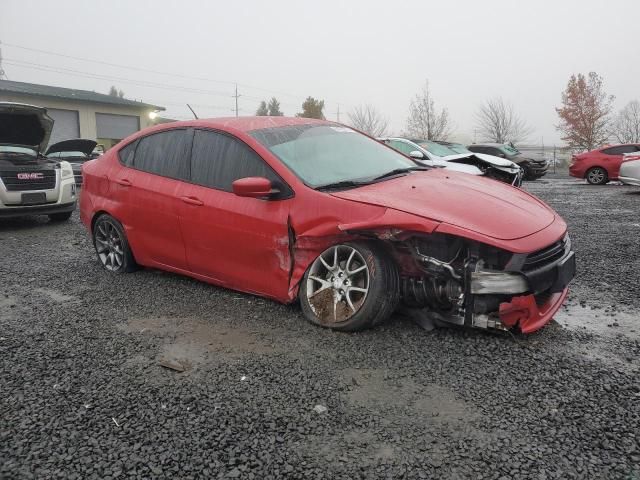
(546, 256)
(14, 183)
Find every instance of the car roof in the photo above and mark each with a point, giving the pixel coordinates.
(248, 124)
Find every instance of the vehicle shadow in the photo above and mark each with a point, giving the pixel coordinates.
(25, 223)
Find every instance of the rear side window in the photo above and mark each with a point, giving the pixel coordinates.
(217, 160)
(620, 149)
(165, 154)
(473, 148)
(126, 154)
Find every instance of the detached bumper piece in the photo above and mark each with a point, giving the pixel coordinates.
(525, 313)
(543, 288)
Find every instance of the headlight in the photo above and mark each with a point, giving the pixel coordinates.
(486, 282)
(66, 171)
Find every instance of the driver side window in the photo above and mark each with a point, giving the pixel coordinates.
(402, 147)
(217, 160)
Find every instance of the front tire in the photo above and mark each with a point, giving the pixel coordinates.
(350, 287)
(597, 176)
(112, 246)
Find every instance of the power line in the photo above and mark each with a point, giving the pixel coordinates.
(158, 72)
(99, 76)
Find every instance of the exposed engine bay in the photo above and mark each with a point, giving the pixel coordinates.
(465, 282)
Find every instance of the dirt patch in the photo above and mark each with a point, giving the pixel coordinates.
(378, 388)
(336, 449)
(608, 321)
(190, 341)
(55, 296)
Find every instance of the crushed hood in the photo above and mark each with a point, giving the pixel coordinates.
(24, 125)
(490, 159)
(475, 203)
(76, 145)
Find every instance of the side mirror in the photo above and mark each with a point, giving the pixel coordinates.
(417, 154)
(253, 187)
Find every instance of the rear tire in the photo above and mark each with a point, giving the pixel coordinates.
(597, 176)
(112, 246)
(350, 287)
(60, 217)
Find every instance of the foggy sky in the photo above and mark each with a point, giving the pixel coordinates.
(345, 52)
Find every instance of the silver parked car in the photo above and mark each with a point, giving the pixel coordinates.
(437, 154)
(630, 169)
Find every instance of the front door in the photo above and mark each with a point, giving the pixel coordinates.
(240, 242)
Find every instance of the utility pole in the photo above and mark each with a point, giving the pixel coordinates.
(236, 97)
(3, 75)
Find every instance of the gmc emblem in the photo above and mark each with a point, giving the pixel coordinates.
(30, 176)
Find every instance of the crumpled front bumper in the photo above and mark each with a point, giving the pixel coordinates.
(527, 315)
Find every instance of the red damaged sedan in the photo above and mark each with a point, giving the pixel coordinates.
(309, 210)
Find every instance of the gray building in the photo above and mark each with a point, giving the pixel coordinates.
(82, 113)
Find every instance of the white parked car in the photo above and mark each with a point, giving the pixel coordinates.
(440, 155)
(30, 183)
(630, 169)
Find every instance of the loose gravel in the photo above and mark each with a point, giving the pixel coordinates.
(262, 394)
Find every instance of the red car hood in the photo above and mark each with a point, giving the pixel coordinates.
(485, 206)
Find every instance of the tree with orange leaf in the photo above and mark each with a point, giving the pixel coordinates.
(585, 114)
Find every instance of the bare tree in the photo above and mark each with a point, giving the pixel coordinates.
(585, 114)
(368, 120)
(626, 127)
(114, 92)
(497, 122)
(425, 122)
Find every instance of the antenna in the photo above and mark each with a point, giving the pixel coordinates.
(194, 113)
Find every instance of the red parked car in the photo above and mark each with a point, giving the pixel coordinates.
(294, 208)
(601, 165)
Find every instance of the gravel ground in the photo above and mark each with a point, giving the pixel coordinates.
(83, 395)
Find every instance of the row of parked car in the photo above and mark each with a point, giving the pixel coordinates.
(498, 161)
(297, 209)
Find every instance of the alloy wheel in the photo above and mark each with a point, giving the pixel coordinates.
(337, 284)
(109, 245)
(596, 176)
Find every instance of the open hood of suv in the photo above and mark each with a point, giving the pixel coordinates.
(76, 145)
(24, 125)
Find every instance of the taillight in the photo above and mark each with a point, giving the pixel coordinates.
(628, 158)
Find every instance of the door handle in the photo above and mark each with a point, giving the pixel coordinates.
(124, 182)
(192, 201)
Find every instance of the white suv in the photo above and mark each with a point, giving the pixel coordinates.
(30, 183)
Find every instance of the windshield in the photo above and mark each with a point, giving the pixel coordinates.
(459, 148)
(67, 155)
(325, 154)
(509, 150)
(436, 148)
(18, 150)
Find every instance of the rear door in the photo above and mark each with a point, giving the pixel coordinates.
(154, 186)
(240, 242)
